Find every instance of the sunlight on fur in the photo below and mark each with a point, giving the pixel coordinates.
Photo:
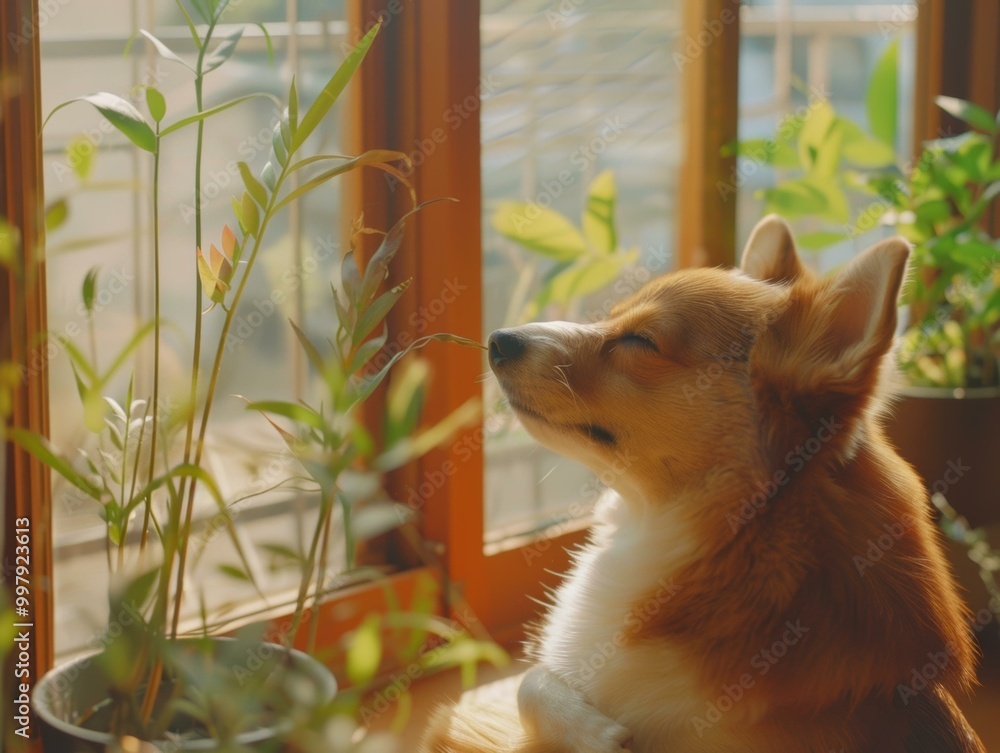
(718, 604)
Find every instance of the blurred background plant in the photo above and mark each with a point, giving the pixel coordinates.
(979, 550)
(567, 262)
(841, 181)
(145, 469)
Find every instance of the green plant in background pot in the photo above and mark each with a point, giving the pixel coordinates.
(149, 680)
(838, 181)
(581, 262)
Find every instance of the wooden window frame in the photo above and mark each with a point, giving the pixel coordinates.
(408, 81)
(27, 489)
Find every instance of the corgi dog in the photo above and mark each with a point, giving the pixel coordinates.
(764, 574)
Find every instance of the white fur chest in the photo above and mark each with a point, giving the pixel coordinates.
(622, 580)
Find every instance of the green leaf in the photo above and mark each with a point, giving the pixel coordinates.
(190, 23)
(254, 186)
(599, 214)
(376, 312)
(300, 414)
(267, 41)
(364, 652)
(868, 153)
(968, 112)
(933, 211)
(314, 355)
(413, 446)
(89, 285)
(883, 92)
(333, 89)
(828, 152)
(815, 126)
(377, 268)
(267, 175)
(366, 386)
(224, 50)
(372, 158)
(37, 446)
(819, 240)
(56, 214)
(250, 216)
(121, 114)
(793, 199)
(156, 103)
(238, 211)
(283, 551)
(539, 229)
(137, 591)
(234, 572)
(367, 350)
(278, 144)
(204, 114)
(124, 353)
(165, 52)
(293, 108)
(80, 156)
(580, 279)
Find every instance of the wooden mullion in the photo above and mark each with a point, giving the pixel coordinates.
(710, 68)
(27, 490)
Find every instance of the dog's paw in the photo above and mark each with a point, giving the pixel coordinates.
(599, 734)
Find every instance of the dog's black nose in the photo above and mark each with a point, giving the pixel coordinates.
(506, 345)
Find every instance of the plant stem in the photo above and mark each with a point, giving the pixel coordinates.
(176, 503)
(213, 383)
(326, 506)
(320, 578)
(154, 684)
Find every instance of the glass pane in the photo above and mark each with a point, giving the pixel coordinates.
(797, 53)
(570, 90)
(108, 228)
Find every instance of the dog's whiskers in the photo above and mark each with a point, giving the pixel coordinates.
(564, 380)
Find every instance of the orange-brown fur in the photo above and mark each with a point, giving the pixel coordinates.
(743, 374)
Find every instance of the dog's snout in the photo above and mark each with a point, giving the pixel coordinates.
(506, 345)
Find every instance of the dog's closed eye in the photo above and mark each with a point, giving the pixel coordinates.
(641, 341)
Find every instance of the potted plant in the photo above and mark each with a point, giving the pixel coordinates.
(946, 421)
(149, 681)
(839, 180)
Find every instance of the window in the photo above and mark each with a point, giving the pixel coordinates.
(512, 88)
(787, 48)
(107, 228)
(570, 91)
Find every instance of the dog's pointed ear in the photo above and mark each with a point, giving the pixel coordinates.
(770, 253)
(865, 296)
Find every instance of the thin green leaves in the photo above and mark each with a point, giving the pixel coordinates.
(970, 113)
(38, 446)
(254, 186)
(156, 103)
(599, 214)
(205, 114)
(165, 52)
(883, 95)
(223, 51)
(373, 157)
(121, 114)
(543, 230)
(333, 89)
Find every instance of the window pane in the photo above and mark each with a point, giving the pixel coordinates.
(109, 228)
(570, 90)
(796, 53)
